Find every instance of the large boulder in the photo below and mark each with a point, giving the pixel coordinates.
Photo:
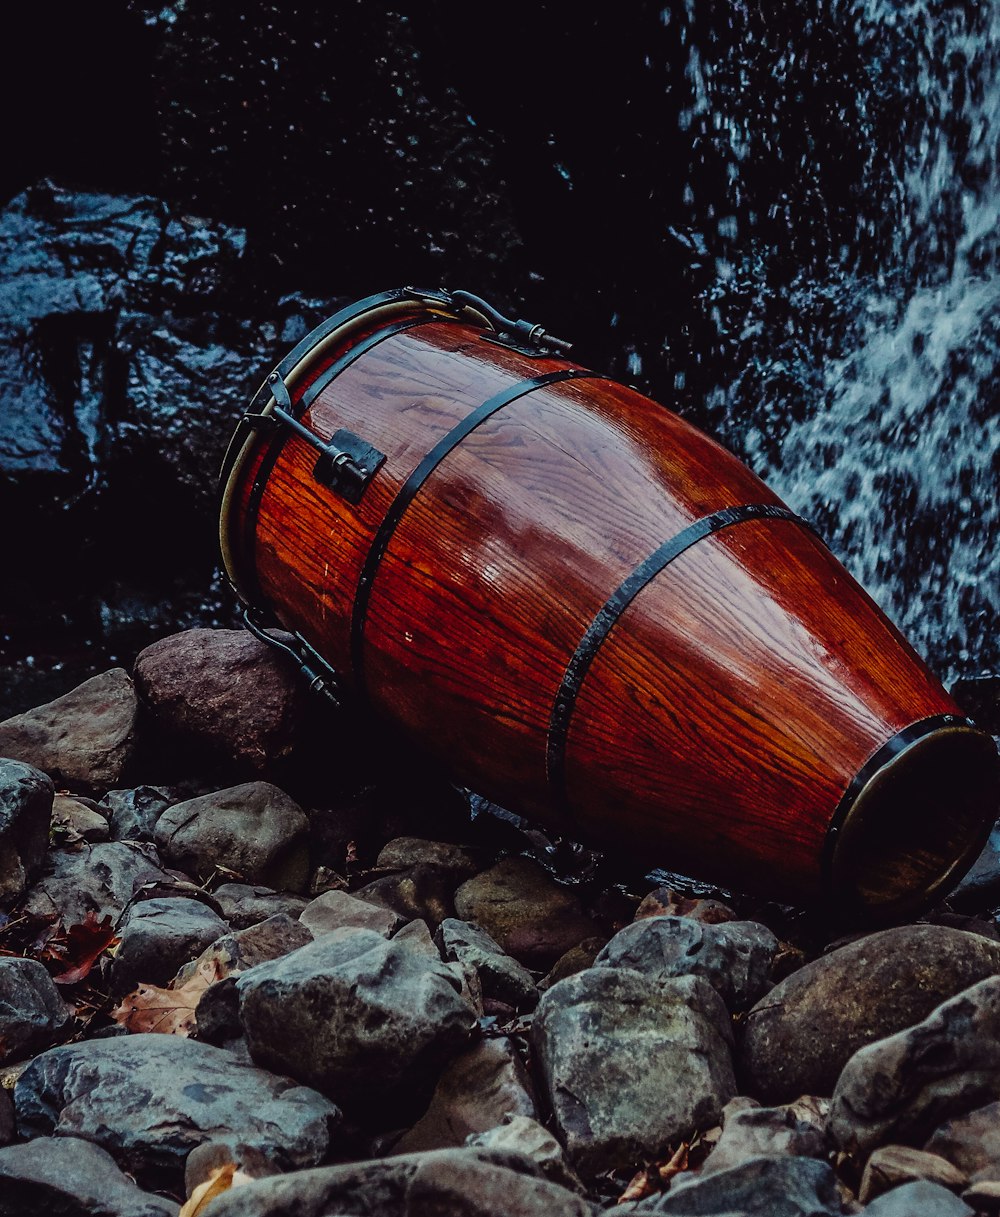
(26, 796)
(254, 830)
(631, 1064)
(798, 1038)
(83, 739)
(32, 1014)
(150, 1099)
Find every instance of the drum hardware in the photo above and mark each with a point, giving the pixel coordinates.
(525, 337)
(319, 676)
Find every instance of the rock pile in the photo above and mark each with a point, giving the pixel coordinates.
(230, 984)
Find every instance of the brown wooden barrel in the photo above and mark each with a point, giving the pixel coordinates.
(593, 613)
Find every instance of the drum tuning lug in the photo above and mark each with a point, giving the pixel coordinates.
(526, 337)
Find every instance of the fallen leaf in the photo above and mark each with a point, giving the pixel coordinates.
(675, 1164)
(85, 943)
(170, 1011)
(640, 1186)
(220, 1180)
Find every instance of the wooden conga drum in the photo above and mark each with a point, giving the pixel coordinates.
(593, 613)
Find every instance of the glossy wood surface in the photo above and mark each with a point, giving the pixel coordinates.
(731, 705)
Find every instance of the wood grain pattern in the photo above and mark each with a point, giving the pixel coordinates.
(731, 705)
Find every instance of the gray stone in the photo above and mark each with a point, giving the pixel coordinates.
(750, 1131)
(149, 1099)
(356, 1016)
(244, 904)
(892, 1165)
(733, 956)
(224, 691)
(83, 739)
(32, 1014)
(523, 1135)
(762, 1187)
(526, 912)
(255, 831)
(417, 936)
(338, 911)
(73, 820)
(971, 1142)
(500, 977)
(902, 1087)
(157, 937)
(133, 813)
(97, 878)
(71, 1178)
(25, 814)
(798, 1038)
(918, 1199)
(630, 1063)
(447, 1182)
(403, 852)
(479, 1089)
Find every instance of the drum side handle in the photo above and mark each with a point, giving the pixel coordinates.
(323, 679)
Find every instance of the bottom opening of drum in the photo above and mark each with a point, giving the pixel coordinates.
(917, 825)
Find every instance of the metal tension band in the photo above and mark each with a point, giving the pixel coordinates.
(412, 485)
(609, 613)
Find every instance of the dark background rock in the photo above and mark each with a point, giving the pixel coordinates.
(33, 1015)
(133, 813)
(98, 878)
(25, 811)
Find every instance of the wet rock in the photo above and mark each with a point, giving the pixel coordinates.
(630, 1063)
(245, 904)
(73, 1178)
(920, 1198)
(749, 1131)
(158, 936)
(665, 902)
(83, 739)
(478, 1090)
(799, 1037)
(133, 813)
(762, 1187)
(254, 830)
(32, 1014)
(892, 1165)
(337, 911)
(971, 1142)
(576, 959)
(404, 852)
(523, 1135)
(456, 1182)
(356, 1016)
(421, 892)
(25, 814)
(97, 878)
(223, 692)
(149, 1099)
(902, 1087)
(75, 820)
(522, 909)
(734, 956)
(500, 977)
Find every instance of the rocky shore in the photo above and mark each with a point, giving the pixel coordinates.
(246, 969)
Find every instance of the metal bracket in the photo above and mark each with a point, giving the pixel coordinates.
(527, 337)
(346, 463)
(323, 680)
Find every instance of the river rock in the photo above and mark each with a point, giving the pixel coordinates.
(902, 1087)
(733, 956)
(83, 739)
(97, 878)
(26, 796)
(500, 978)
(357, 1017)
(479, 1089)
(403, 852)
(665, 902)
(7, 1120)
(921, 1198)
(254, 830)
(149, 1099)
(337, 910)
(158, 936)
(971, 1142)
(32, 1014)
(524, 911)
(224, 692)
(631, 1063)
(77, 821)
(523, 1135)
(761, 1187)
(72, 1178)
(449, 1182)
(750, 1131)
(245, 904)
(798, 1038)
(421, 892)
(892, 1165)
(576, 959)
(133, 813)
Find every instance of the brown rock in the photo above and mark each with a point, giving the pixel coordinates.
(895, 1164)
(78, 821)
(665, 902)
(971, 1142)
(337, 911)
(576, 959)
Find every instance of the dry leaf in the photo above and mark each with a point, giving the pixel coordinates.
(675, 1164)
(640, 1186)
(220, 1180)
(169, 1011)
(85, 943)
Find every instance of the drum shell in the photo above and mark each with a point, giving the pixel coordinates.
(722, 716)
